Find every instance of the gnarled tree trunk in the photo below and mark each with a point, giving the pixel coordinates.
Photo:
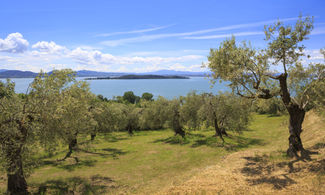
(296, 119)
(297, 116)
(129, 129)
(217, 129)
(92, 136)
(16, 180)
(176, 124)
(72, 146)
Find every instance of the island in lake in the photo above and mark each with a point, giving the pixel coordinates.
(131, 76)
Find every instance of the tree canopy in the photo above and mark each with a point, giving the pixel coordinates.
(252, 72)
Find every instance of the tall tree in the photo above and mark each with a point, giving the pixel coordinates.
(250, 75)
(25, 121)
(76, 115)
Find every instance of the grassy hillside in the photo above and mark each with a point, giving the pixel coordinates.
(265, 170)
(156, 161)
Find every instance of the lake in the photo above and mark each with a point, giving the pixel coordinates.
(168, 88)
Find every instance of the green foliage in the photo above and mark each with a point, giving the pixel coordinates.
(130, 97)
(273, 106)
(250, 76)
(147, 96)
(29, 120)
(154, 114)
(225, 112)
(191, 104)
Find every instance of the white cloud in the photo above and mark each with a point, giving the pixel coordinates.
(96, 57)
(45, 47)
(133, 31)
(314, 55)
(13, 43)
(117, 42)
(318, 31)
(227, 35)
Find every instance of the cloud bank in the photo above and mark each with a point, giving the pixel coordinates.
(14, 43)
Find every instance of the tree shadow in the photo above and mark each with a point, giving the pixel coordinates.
(314, 165)
(71, 165)
(173, 140)
(76, 185)
(177, 139)
(114, 138)
(115, 153)
(232, 143)
(112, 152)
(260, 171)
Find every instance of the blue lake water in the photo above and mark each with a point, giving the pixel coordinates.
(168, 88)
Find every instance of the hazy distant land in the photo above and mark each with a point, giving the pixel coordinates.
(131, 76)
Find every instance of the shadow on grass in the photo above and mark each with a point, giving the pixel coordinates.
(74, 162)
(232, 143)
(114, 138)
(76, 185)
(71, 165)
(113, 152)
(177, 139)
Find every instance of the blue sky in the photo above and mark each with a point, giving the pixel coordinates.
(138, 36)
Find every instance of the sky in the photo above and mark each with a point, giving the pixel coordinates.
(139, 36)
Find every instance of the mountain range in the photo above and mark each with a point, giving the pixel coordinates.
(88, 73)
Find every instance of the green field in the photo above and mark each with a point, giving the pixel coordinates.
(148, 161)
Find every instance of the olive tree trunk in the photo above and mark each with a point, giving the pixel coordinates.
(72, 146)
(218, 130)
(296, 119)
(176, 124)
(92, 136)
(16, 180)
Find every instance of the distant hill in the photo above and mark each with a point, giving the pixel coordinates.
(88, 73)
(146, 76)
(17, 74)
(174, 72)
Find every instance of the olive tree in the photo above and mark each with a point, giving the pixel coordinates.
(111, 117)
(174, 119)
(26, 121)
(75, 114)
(249, 72)
(225, 112)
(154, 114)
(132, 115)
(191, 104)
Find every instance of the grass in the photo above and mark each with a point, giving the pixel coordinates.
(148, 161)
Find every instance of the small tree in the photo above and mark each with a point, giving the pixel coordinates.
(154, 114)
(175, 120)
(225, 112)
(249, 74)
(130, 97)
(189, 110)
(147, 96)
